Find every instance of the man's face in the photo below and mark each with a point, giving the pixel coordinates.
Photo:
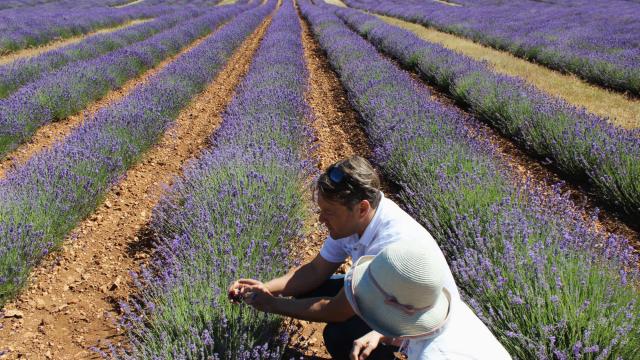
(339, 219)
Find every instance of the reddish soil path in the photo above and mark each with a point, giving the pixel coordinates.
(71, 302)
(339, 135)
(50, 133)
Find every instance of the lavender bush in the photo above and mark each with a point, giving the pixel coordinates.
(596, 40)
(21, 29)
(548, 285)
(14, 4)
(42, 200)
(233, 214)
(23, 71)
(581, 145)
(68, 90)
(30, 5)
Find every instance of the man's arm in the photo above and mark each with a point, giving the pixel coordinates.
(303, 279)
(324, 309)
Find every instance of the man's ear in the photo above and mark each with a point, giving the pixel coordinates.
(364, 207)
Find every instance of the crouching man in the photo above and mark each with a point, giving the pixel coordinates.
(361, 221)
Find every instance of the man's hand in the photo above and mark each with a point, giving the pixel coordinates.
(363, 346)
(258, 297)
(238, 289)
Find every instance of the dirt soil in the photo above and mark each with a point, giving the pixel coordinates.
(72, 301)
(56, 44)
(56, 131)
(339, 135)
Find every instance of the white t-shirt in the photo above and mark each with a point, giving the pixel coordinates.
(390, 224)
(463, 337)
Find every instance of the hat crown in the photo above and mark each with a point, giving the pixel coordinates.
(412, 274)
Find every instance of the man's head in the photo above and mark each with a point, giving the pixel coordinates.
(348, 194)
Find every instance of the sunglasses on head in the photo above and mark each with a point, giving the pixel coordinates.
(337, 175)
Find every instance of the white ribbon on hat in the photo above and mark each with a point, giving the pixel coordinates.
(391, 300)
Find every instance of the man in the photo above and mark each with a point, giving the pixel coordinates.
(400, 293)
(361, 221)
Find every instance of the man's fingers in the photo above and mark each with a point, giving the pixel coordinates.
(232, 293)
(249, 298)
(246, 289)
(355, 350)
(242, 289)
(249, 282)
(367, 351)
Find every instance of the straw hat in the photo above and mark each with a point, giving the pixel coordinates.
(400, 292)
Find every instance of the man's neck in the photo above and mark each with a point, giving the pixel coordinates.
(366, 223)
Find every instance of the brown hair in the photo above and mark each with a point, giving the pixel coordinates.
(360, 182)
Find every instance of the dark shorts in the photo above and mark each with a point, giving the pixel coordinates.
(339, 336)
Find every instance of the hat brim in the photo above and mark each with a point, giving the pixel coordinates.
(388, 320)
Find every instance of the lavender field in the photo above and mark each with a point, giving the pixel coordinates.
(596, 40)
(144, 169)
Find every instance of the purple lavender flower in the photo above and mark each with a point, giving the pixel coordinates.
(596, 40)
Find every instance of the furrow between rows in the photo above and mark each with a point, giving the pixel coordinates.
(338, 135)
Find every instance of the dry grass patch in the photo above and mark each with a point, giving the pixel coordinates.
(335, 2)
(447, 3)
(620, 109)
(128, 4)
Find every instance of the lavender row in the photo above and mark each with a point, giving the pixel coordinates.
(14, 4)
(70, 89)
(42, 25)
(41, 201)
(548, 285)
(595, 40)
(581, 145)
(21, 7)
(232, 215)
(23, 71)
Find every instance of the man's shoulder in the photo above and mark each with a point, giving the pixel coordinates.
(341, 241)
(394, 219)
